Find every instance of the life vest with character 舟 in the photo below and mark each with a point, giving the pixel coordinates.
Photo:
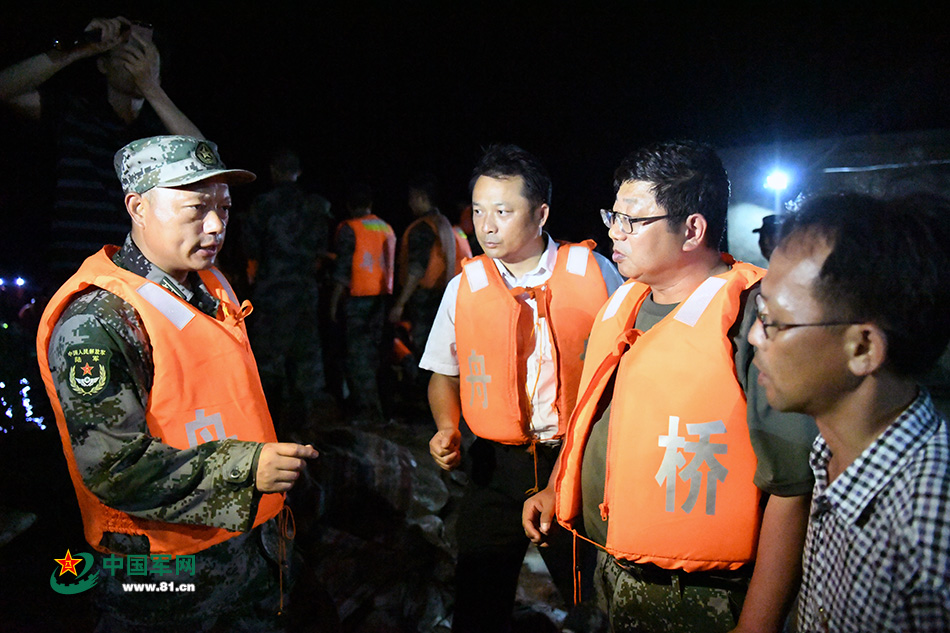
(205, 387)
(492, 359)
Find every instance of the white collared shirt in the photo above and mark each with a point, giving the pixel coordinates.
(541, 385)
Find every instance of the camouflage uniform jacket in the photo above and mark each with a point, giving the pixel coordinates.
(120, 461)
(286, 232)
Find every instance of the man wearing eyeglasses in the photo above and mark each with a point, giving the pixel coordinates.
(673, 464)
(845, 337)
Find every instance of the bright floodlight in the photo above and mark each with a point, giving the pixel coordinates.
(777, 180)
(20, 281)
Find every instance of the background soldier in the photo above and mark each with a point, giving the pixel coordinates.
(426, 262)
(768, 234)
(365, 248)
(286, 242)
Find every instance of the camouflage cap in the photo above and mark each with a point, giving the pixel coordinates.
(171, 161)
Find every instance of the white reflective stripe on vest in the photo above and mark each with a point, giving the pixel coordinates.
(224, 283)
(697, 302)
(615, 300)
(476, 275)
(577, 260)
(167, 304)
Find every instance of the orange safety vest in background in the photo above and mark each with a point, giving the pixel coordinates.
(372, 269)
(491, 332)
(680, 465)
(463, 249)
(441, 266)
(205, 387)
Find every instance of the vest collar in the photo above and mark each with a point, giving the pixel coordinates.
(193, 291)
(539, 274)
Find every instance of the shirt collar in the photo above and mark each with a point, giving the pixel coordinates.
(854, 489)
(193, 291)
(544, 268)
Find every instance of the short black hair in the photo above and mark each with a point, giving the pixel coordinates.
(427, 183)
(687, 177)
(889, 265)
(285, 161)
(359, 195)
(509, 161)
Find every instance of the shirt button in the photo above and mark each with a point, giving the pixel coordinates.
(235, 474)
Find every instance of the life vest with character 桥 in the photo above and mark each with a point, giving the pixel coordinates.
(679, 489)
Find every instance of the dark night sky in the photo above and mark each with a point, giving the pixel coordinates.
(380, 90)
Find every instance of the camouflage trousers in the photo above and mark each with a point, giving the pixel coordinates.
(421, 310)
(647, 599)
(284, 334)
(235, 587)
(363, 335)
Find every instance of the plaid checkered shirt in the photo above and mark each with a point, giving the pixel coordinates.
(877, 553)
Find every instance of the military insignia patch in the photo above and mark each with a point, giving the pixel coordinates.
(167, 284)
(205, 154)
(88, 369)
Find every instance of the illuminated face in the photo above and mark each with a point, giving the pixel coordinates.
(651, 252)
(182, 229)
(802, 369)
(506, 226)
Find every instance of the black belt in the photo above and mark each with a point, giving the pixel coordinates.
(546, 446)
(730, 580)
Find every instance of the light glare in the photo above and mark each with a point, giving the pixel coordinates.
(777, 180)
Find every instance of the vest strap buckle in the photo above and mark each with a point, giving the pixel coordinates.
(625, 340)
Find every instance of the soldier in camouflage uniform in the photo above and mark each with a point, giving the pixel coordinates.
(113, 429)
(418, 298)
(286, 240)
(362, 285)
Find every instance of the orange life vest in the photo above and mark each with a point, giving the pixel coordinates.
(463, 249)
(372, 270)
(205, 387)
(492, 338)
(680, 464)
(441, 266)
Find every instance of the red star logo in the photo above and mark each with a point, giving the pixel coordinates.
(67, 564)
(86, 369)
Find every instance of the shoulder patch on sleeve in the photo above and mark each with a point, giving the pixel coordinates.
(88, 369)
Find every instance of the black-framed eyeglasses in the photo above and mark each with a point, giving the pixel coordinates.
(769, 328)
(627, 223)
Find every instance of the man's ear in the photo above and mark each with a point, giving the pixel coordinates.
(866, 346)
(694, 229)
(543, 211)
(136, 204)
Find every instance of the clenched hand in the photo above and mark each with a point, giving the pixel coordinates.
(280, 464)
